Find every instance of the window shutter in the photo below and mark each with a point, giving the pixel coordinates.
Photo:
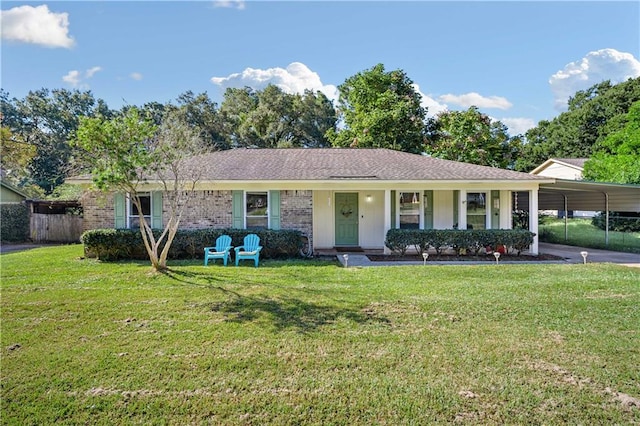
(238, 209)
(456, 199)
(156, 210)
(119, 201)
(495, 211)
(428, 210)
(393, 209)
(274, 209)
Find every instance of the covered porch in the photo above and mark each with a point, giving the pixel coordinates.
(358, 218)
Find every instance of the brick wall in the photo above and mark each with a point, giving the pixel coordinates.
(296, 211)
(208, 209)
(97, 210)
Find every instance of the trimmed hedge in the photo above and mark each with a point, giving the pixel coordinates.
(618, 221)
(115, 244)
(469, 241)
(15, 222)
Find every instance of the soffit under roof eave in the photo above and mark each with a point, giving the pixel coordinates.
(373, 183)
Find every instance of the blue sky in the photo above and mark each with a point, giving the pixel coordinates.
(517, 61)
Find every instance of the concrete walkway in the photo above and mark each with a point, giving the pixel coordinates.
(570, 254)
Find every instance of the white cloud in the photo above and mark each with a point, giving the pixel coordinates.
(475, 99)
(294, 79)
(518, 126)
(234, 4)
(597, 66)
(91, 71)
(73, 78)
(78, 79)
(36, 25)
(136, 76)
(433, 107)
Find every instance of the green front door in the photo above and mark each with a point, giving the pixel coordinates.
(346, 219)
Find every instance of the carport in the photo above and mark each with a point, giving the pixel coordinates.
(569, 195)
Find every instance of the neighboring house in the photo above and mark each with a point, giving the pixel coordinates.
(9, 194)
(337, 197)
(561, 168)
(564, 168)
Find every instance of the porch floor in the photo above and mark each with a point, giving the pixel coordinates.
(335, 251)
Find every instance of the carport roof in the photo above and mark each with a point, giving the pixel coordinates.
(593, 196)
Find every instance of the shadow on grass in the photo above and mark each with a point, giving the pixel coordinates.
(264, 263)
(289, 313)
(193, 278)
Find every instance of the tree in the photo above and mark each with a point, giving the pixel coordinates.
(591, 116)
(317, 117)
(380, 109)
(617, 158)
(471, 137)
(235, 108)
(15, 156)
(271, 118)
(128, 151)
(46, 120)
(200, 112)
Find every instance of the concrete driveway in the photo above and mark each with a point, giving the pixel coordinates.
(572, 255)
(10, 247)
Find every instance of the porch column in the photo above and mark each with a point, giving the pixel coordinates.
(533, 220)
(387, 216)
(462, 209)
(506, 207)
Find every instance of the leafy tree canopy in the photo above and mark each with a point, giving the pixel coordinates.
(471, 137)
(591, 116)
(617, 157)
(41, 125)
(128, 149)
(382, 110)
(271, 118)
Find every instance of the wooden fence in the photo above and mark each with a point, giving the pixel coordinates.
(62, 228)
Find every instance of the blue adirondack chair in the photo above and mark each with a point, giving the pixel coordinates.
(250, 249)
(222, 250)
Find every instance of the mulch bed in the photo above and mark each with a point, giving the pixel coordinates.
(456, 258)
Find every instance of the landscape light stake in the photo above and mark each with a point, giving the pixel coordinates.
(346, 260)
(584, 255)
(497, 256)
(425, 256)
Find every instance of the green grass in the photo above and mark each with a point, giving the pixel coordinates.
(85, 342)
(583, 234)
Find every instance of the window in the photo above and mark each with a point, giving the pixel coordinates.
(134, 215)
(476, 210)
(257, 210)
(409, 210)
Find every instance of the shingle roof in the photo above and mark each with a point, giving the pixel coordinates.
(578, 162)
(342, 163)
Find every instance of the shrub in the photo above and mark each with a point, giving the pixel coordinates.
(15, 222)
(398, 240)
(114, 244)
(618, 221)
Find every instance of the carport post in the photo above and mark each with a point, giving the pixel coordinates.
(566, 218)
(606, 226)
(533, 220)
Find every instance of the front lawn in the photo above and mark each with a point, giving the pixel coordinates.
(582, 233)
(85, 342)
